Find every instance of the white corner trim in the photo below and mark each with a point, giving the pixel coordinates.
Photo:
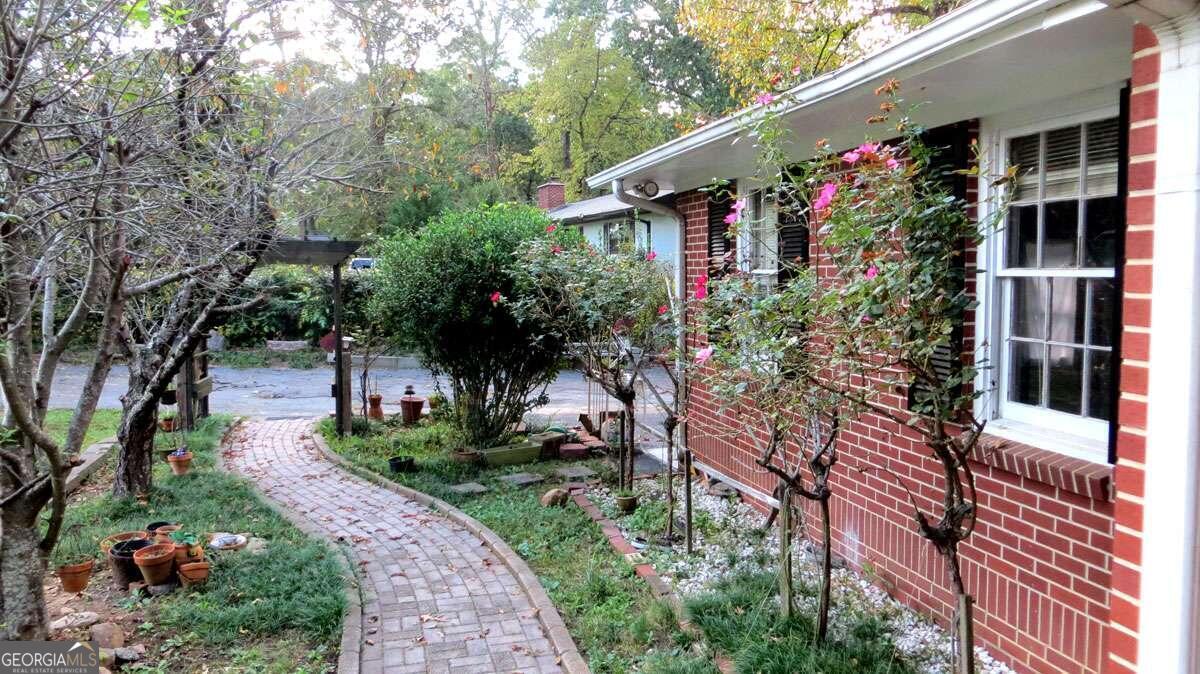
(1167, 633)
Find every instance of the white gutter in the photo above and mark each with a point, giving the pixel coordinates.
(963, 32)
(618, 190)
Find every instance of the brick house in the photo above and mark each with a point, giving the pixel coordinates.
(1085, 557)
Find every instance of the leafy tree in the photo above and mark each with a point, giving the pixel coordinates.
(448, 290)
(588, 106)
(762, 44)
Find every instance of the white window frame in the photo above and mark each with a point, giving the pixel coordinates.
(1052, 430)
(765, 276)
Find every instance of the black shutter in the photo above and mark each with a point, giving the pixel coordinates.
(719, 241)
(951, 145)
(1119, 279)
(793, 231)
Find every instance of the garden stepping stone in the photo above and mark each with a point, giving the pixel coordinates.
(575, 473)
(469, 488)
(108, 635)
(522, 479)
(572, 450)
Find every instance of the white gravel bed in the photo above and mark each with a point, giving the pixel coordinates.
(728, 538)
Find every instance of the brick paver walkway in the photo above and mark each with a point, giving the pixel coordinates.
(434, 597)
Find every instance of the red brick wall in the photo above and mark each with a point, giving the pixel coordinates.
(1135, 356)
(1039, 561)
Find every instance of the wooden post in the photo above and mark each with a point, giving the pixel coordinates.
(785, 552)
(687, 496)
(341, 413)
(621, 452)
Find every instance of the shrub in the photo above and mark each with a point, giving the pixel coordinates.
(299, 305)
(447, 291)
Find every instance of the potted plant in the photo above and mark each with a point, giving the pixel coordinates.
(410, 406)
(75, 562)
(627, 501)
(187, 547)
(169, 423)
(402, 464)
(156, 562)
(194, 573)
(465, 455)
(181, 460)
(108, 541)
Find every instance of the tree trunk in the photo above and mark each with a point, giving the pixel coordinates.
(964, 627)
(22, 569)
(630, 444)
(135, 437)
(826, 571)
(785, 553)
(687, 496)
(670, 467)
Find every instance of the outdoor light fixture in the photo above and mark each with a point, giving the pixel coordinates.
(648, 188)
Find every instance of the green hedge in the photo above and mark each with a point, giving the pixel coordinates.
(299, 305)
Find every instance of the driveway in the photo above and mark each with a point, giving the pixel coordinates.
(279, 393)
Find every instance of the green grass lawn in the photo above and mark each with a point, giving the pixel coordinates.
(104, 425)
(258, 611)
(615, 621)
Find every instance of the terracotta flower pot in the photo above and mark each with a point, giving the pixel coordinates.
(75, 577)
(465, 456)
(410, 409)
(185, 554)
(194, 573)
(375, 407)
(120, 559)
(156, 562)
(162, 535)
(180, 464)
(168, 424)
(107, 542)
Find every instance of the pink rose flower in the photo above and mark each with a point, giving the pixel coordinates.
(495, 297)
(650, 256)
(764, 99)
(891, 164)
(662, 310)
(868, 148)
(872, 272)
(556, 249)
(703, 355)
(825, 196)
(851, 157)
(550, 228)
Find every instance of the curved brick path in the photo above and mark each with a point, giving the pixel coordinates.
(435, 599)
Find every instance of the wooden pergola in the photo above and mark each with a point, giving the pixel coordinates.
(324, 252)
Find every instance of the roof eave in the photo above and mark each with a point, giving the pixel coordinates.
(948, 38)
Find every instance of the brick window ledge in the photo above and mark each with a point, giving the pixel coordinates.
(1078, 476)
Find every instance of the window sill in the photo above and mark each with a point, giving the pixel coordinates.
(1019, 449)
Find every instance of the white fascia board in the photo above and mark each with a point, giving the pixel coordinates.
(959, 34)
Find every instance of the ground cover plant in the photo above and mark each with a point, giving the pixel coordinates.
(247, 615)
(617, 624)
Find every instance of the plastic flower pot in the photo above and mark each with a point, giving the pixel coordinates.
(181, 463)
(627, 504)
(402, 464)
(75, 577)
(156, 562)
(107, 542)
(153, 526)
(120, 558)
(194, 573)
(375, 407)
(168, 397)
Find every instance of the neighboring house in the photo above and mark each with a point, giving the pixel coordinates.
(612, 225)
(1085, 557)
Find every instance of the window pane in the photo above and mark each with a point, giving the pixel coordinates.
(1100, 379)
(1029, 310)
(1104, 300)
(1023, 153)
(1103, 153)
(1062, 163)
(1068, 297)
(1066, 379)
(1022, 236)
(1025, 386)
(1061, 232)
(1102, 219)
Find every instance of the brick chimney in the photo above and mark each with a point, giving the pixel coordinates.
(551, 195)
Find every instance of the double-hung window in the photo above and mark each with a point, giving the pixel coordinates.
(1057, 287)
(760, 239)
